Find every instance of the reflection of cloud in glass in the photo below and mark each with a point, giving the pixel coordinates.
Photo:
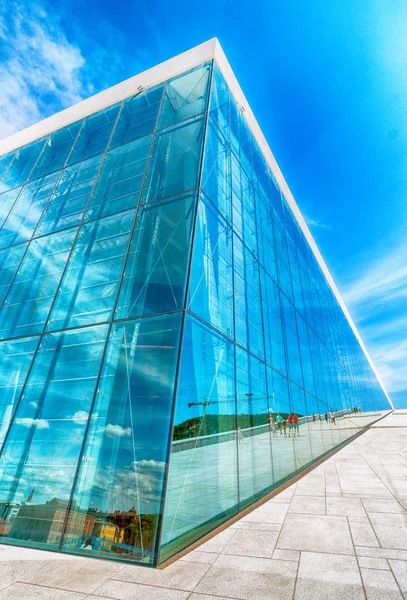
(80, 416)
(28, 422)
(138, 484)
(112, 431)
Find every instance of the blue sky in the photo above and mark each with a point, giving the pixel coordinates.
(327, 83)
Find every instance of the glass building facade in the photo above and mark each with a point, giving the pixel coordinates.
(161, 317)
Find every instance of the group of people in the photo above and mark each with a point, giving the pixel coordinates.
(328, 416)
(285, 425)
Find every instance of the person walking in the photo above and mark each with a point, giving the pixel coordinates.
(313, 417)
(272, 425)
(284, 426)
(326, 417)
(279, 421)
(296, 423)
(330, 416)
(290, 424)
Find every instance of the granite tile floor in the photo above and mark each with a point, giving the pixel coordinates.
(340, 532)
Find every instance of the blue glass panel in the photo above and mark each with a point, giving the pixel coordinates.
(15, 359)
(265, 229)
(27, 210)
(29, 299)
(273, 323)
(289, 225)
(243, 206)
(120, 482)
(23, 162)
(9, 261)
(276, 202)
(307, 299)
(291, 339)
(202, 483)
(89, 286)
(245, 142)
(156, 270)
(70, 196)
(7, 200)
(235, 118)
(248, 311)
(261, 174)
(211, 279)
(174, 163)
(219, 102)
(216, 171)
(283, 449)
(254, 440)
(296, 281)
(283, 266)
(5, 162)
(43, 446)
(298, 427)
(95, 134)
(119, 184)
(185, 96)
(306, 359)
(138, 116)
(56, 150)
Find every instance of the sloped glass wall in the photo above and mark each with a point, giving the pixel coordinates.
(96, 226)
(272, 376)
(170, 350)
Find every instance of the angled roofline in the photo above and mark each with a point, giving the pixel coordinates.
(187, 60)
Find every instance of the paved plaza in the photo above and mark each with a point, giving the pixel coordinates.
(338, 533)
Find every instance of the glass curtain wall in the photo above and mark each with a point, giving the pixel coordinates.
(96, 225)
(272, 376)
(170, 350)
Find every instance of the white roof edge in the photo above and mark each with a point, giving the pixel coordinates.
(165, 70)
(155, 75)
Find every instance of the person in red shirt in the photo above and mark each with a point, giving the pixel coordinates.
(296, 423)
(290, 424)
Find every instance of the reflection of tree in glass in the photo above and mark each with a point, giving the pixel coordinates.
(219, 424)
(132, 534)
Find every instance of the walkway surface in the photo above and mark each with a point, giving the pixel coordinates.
(338, 533)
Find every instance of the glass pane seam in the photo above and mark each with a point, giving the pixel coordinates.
(185, 302)
(109, 329)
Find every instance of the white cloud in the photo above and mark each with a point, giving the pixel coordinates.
(41, 69)
(117, 431)
(384, 280)
(377, 299)
(28, 422)
(315, 223)
(80, 417)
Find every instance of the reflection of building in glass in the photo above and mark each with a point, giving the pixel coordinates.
(172, 346)
(44, 522)
(8, 512)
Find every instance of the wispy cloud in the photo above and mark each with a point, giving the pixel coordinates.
(315, 223)
(40, 67)
(41, 70)
(377, 300)
(383, 280)
(80, 417)
(113, 431)
(28, 422)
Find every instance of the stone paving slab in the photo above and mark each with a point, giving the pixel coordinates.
(338, 533)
